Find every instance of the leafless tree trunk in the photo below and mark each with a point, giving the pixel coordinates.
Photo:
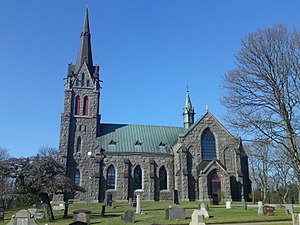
(262, 92)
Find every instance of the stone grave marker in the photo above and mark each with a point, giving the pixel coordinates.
(295, 218)
(260, 209)
(203, 211)
(128, 216)
(228, 204)
(167, 213)
(176, 213)
(108, 199)
(82, 216)
(175, 197)
(130, 202)
(203, 205)
(197, 218)
(289, 209)
(138, 193)
(103, 211)
(245, 205)
(268, 210)
(22, 217)
(1, 214)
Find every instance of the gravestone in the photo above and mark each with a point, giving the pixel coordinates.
(128, 216)
(175, 197)
(103, 211)
(203, 205)
(1, 214)
(268, 210)
(289, 209)
(197, 218)
(108, 199)
(260, 208)
(22, 217)
(245, 205)
(130, 202)
(176, 213)
(203, 211)
(228, 204)
(167, 213)
(138, 193)
(82, 216)
(295, 218)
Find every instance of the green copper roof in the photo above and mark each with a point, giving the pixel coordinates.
(124, 138)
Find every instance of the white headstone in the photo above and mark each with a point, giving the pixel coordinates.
(138, 193)
(228, 204)
(203, 212)
(260, 208)
(197, 218)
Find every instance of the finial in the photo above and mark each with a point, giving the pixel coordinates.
(87, 3)
(206, 107)
(187, 87)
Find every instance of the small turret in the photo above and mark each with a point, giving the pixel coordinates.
(188, 111)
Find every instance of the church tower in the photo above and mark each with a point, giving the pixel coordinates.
(80, 119)
(188, 111)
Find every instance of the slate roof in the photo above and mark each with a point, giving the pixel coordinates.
(125, 138)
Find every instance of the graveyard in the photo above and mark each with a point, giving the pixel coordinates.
(161, 213)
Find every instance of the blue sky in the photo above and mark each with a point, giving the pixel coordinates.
(148, 51)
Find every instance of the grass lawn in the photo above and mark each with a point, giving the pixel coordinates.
(153, 212)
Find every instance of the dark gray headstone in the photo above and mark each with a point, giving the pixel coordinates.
(245, 205)
(108, 199)
(128, 216)
(82, 216)
(175, 197)
(130, 202)
(167, 214)
(176, 214)
(103, 211)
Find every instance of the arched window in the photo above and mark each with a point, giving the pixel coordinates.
(78, 144)
(163, 178)
(77, 105)
(88, 83)
(82, 79)
(208, 145)
(77, 82)
(137, 178)
(110, 177)
(86, 106)
(77, 178)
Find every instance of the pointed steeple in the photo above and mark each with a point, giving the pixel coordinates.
(85, 50)
(188, 111)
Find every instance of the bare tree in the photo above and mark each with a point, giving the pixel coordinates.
(48, 151)
(262, 92)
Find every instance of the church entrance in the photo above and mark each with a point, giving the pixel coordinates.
(214, 187)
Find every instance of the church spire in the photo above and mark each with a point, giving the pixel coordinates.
(85, 50)
(188, 111)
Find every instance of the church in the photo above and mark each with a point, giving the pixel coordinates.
(199, 161)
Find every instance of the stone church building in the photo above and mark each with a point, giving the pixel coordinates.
(199, 161)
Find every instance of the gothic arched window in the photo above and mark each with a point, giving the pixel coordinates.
(163, 178)
(208, 145)
(77, 105)
(110, 177)
(137, 178)
(85, 106)
(77, 177)
(88, 83)
(78, 144)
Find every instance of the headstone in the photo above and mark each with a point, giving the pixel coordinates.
(197, 218)
(175, 197)
(1, 214)
(295, 218)
(167, 213)
(103, 211)
(260, 208)
(203, 205)
(65, 216)
(176, 213)
(109, 199)
(289, 209)
(228, 204)
(268, 210)
(138, 194)
(203, 212)
(128, 216)
(130, 202)
(82, 216)
(245, 205)
(22, 217)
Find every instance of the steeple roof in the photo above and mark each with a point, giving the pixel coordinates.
(85, 50)
(188, 103)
